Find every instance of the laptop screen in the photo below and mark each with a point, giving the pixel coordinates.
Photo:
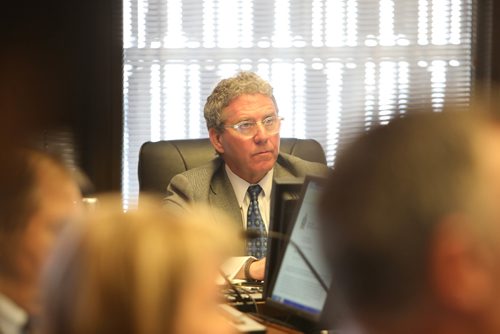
(284, 200)
(295, 286)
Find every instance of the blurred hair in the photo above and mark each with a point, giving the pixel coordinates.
(19, 174)
(229, 89)
(126, 272)
(386, 194)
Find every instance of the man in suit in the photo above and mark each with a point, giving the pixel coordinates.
(411, 225)
(38, 197)
(243, 123)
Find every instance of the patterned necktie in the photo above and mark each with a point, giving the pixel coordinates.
(256, 247)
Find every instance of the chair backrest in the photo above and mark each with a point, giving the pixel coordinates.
(160, 161)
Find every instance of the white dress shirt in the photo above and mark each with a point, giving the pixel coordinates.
(232, 266)
(12, 317)
(240, 188)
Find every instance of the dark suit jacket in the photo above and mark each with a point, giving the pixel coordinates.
(210, 183)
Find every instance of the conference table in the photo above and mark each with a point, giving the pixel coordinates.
(273, 328)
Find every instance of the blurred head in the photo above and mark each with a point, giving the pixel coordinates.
(412, 220)
(146, 271)
(250, 150)
(37, 198)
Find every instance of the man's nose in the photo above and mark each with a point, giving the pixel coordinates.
(261, 134)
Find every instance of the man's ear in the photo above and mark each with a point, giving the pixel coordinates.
(460, 267)
(215, 139)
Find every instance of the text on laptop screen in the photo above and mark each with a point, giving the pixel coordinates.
(295, 284)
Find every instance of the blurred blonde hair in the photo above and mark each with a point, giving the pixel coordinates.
(125, 272)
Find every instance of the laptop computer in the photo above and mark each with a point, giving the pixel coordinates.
(296, 288)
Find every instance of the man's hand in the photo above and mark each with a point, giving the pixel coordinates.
(258, 269)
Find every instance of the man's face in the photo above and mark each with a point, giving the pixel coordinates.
(248, 157)
(58, 202)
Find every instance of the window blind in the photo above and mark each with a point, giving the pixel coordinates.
(337, 67)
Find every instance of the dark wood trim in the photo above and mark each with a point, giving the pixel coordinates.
(61, 67)
(483, 44)
(101, 135)
(487, 53)
(495, 42)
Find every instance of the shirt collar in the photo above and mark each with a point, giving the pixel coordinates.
(240, 186)
(11, 315)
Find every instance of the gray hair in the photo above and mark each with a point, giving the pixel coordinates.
(228, 89)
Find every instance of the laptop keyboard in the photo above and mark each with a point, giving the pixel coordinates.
(249, 292)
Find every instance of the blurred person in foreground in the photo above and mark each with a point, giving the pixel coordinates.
(146, 271)
(38, 197)
(411, 224)
(244, 128)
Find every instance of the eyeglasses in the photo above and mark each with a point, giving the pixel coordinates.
(249, 128)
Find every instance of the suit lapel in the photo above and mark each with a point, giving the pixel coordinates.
(222, 195)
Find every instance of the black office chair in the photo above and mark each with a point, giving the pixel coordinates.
(162, 160)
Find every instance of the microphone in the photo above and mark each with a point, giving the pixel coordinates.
(252, 234)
